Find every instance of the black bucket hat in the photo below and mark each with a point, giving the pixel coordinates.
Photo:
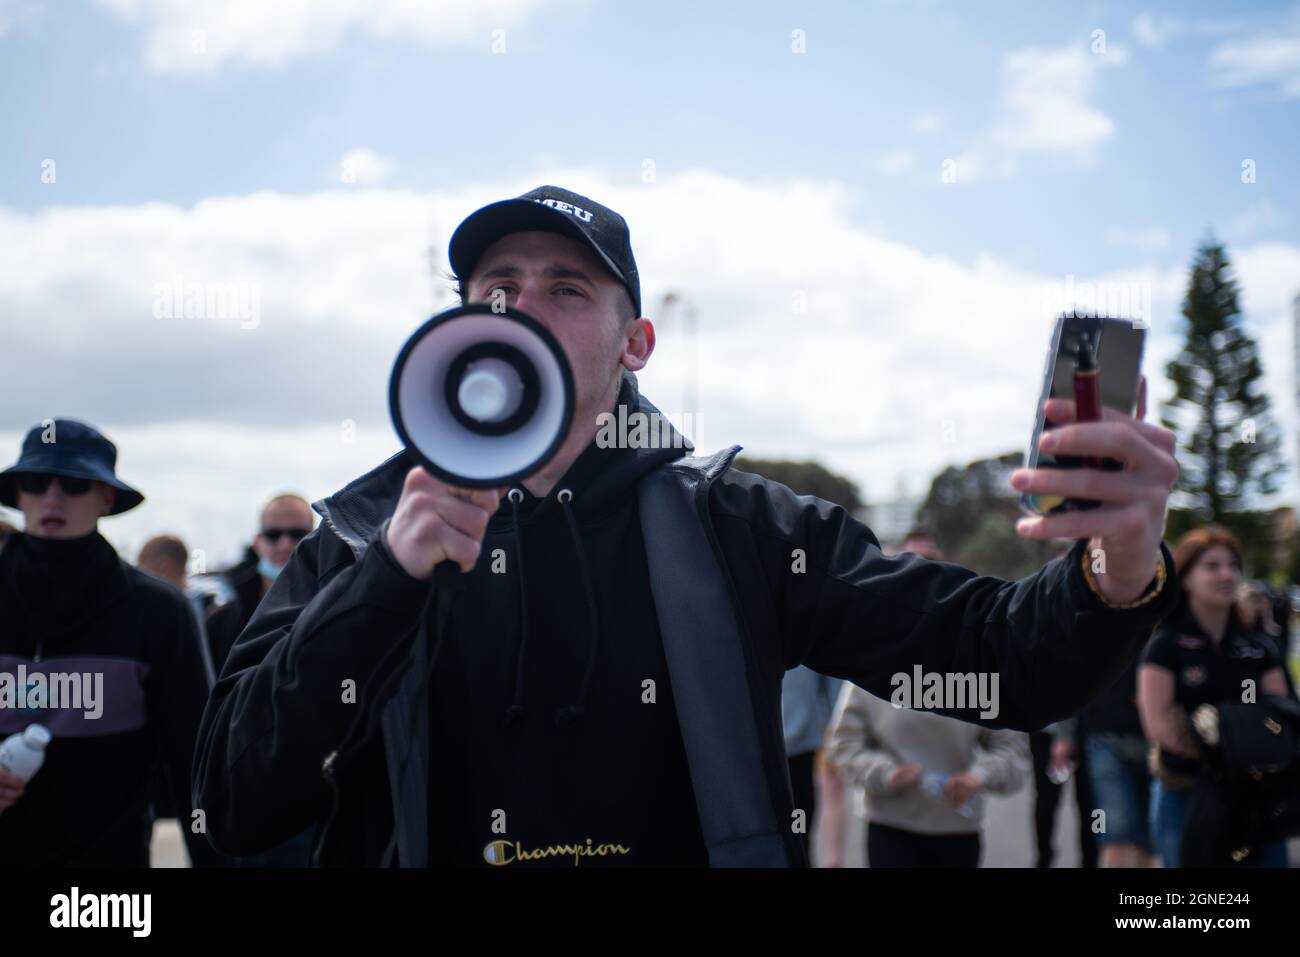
(72, 449)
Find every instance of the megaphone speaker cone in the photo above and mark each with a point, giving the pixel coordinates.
(481, 397)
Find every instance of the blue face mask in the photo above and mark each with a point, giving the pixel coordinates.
(267, 569)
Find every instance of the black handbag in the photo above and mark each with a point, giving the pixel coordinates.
(1257, 740)
(1249, 794)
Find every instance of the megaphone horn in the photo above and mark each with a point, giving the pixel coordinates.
(481, 396)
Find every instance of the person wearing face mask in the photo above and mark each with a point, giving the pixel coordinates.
(286, 520)
(117, 643)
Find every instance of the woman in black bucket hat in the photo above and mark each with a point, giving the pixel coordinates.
(119, 645)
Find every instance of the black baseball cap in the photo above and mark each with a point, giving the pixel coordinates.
(554, 210)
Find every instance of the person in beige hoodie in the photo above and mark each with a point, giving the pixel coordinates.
(924, 777)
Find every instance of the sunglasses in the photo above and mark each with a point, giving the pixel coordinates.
(273, 534)
(37, 483)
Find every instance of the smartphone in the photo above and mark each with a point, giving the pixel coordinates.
(1114, 347)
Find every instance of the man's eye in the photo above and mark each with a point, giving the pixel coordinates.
(570, 289)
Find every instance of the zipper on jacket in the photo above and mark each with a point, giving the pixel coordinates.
(327, 772)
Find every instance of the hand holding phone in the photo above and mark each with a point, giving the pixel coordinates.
(1094, 362)
(1131, 491)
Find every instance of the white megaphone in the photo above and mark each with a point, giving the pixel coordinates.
(481, 396)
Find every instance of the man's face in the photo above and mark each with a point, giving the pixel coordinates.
(284, 524)
(165, 568)
(56, 513)
(564, 286)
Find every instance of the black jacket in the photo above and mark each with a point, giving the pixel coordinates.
(748, 580)
(226, 621)
(73, 607)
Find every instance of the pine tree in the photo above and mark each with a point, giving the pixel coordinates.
(1229, 446)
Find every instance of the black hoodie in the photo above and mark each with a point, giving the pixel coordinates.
(552, 710)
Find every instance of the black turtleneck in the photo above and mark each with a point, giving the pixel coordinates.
(53, 586)
(73, 609)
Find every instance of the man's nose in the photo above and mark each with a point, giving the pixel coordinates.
(530, 300)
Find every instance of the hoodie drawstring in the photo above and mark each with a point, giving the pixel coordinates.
(569, 714)
(516, 709)
(576, 710)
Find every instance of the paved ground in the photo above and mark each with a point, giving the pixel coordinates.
(168, 848)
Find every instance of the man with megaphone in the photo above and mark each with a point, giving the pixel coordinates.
(587, 671)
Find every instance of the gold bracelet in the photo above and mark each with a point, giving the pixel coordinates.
(1161, 576)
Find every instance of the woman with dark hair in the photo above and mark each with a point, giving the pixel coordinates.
(1201, 654)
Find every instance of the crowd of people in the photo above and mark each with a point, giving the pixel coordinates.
(919, 779)
(1134, 756)
(593, 663)
(1140, 772)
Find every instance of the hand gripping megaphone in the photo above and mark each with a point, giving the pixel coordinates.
(481, 396)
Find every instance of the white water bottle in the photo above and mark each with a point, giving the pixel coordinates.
(22, 754)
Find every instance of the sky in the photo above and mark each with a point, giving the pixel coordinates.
(872, 210)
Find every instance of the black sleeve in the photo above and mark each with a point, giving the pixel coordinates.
(1272, 653)
(854, 613)
(222, 630)
(1162, 649)
(279, 707)
(177, 691)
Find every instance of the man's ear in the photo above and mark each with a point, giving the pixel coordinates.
(638, 344)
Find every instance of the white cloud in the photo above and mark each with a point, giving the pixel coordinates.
(1146, 239)
(1044, 106)
(363, 167)
(1045, 100)
(899, 362)
(896, 163)
(1265, 60)
(1154, 31)
(1258, 217)
(1268, 274)
(194, 36)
